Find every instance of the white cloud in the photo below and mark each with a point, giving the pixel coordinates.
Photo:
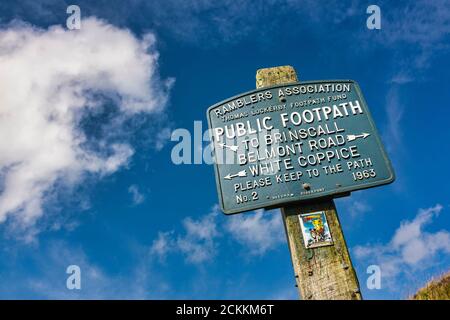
(418, 32)
(411, 248)
(422, 23)
(401, 78)
(48, 280)
(394, 111)
(196, 243)
(356, 205)
(162, 137)
(359, 207)
(258, 232)
(162, 245)
(137, 196)
(50, 80)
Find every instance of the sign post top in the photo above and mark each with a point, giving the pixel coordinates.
(268, 76)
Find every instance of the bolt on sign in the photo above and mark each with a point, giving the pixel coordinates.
(295, 142)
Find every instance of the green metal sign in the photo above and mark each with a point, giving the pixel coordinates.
(295, 142)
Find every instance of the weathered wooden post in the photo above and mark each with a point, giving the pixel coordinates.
(296, 146)
(323, 272)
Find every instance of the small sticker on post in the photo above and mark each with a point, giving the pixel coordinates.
(315, 229)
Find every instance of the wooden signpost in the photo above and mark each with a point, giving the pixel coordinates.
(296, 146)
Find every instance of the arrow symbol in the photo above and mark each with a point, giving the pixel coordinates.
(230, 176)
(351, 137)
(232, 148)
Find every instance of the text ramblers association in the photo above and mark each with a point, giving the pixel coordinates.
(282, 92)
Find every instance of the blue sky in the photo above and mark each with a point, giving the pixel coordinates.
(91, 181)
